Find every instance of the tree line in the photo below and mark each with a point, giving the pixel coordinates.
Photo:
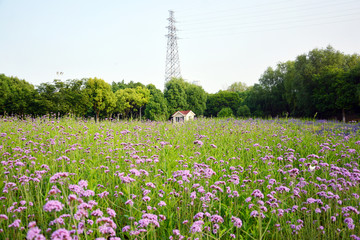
(323, 83)
(94, 97)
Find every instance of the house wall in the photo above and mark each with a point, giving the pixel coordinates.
(177, 115)
(189, 116)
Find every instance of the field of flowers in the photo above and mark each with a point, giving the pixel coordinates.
(206, 179)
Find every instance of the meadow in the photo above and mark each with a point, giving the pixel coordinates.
(204, 179)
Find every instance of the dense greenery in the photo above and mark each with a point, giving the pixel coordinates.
(323, 83)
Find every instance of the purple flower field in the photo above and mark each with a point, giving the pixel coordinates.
(205, 179)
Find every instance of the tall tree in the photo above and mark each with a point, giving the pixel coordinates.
(131, 99)
(76, 97)
(156, 109)
(100, 96)
(272, 82)
(175, 95)
(307, 66)
(196, 98)
(17, 95)
(256, 100)
(4, 92)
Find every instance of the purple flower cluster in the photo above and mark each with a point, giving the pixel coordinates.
(53, 205)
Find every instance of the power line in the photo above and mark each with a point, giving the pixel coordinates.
(269, 10)
(268, 29)
(272, 20)
(192, 9)
(218, 21)
(268, 22)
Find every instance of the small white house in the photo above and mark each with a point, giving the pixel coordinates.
(183, 116)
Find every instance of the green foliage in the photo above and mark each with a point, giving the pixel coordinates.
(16, 95)
(222, 99)
(129, 99)
(196, 98)
(62, 98)
(321, 82)
(310, 68)
(225, 112)
(49, 99)
(122, 85)
(243, 111)
(237, 87)
(100, 96)
(156, 109)
(4, 92)
(76, 97)
(175, 95)
(181, 95)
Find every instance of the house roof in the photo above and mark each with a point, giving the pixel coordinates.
(183, 112)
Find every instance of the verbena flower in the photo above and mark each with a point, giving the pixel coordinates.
(216, 219)
(162, 203)
(15, 224)
(111, 212)
(126, 228)
(34, 234)
(197, 226)
(53, 205)
(257, 193)
(237, 222)
(61, 234)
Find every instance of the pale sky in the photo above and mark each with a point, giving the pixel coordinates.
(221, 42)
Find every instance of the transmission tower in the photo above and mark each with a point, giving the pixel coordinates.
(172, 68)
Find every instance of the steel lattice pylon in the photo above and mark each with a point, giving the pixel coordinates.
(172, 68)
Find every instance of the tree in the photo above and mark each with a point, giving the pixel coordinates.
(272, 82)
(118, 85)
(47, 99)
(100, 96)
(255, 100)
(222, 99)
(288, 71)
(175, 95)
(131, 99)
(76, 97)
(315, 83)
(122, 104)
(243, 111)
(354, 75)
(156, 109)
(237, 87)
(346, 90)
(307, 66)
(122, 85)
(16, 95)
(196, 98)
(143, 97)
(4, 92)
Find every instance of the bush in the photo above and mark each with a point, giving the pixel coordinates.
(243, 111)
(225, 112)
